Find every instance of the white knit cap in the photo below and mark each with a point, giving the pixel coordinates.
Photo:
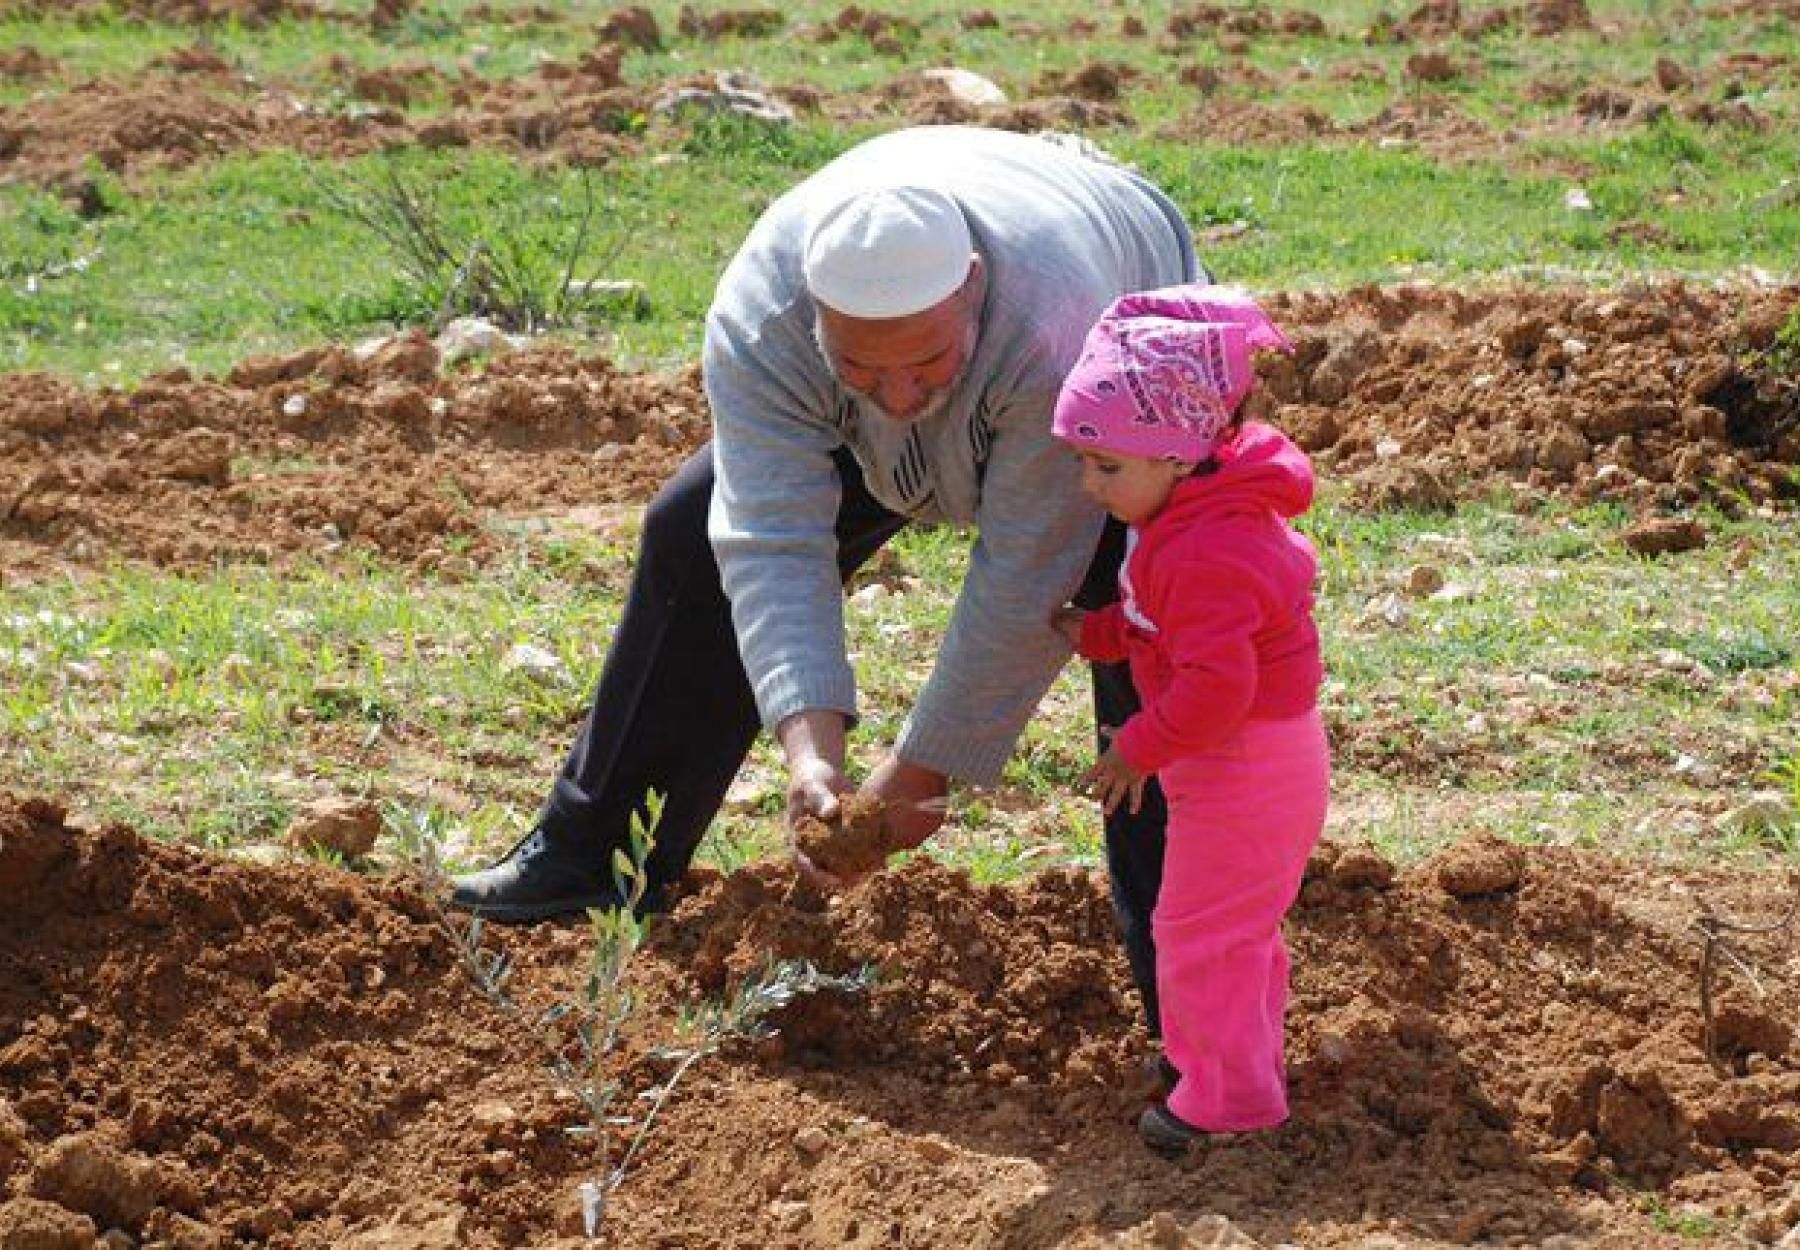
(888, 252)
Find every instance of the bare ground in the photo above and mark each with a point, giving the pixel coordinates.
(1503, 1046)
(1415, 396)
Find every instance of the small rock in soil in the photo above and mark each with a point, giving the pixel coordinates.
(1664, 535)
(1480, 865)
(344, 827)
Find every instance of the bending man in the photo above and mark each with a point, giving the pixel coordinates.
(885, 348)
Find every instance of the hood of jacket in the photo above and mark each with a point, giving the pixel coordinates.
(1260, 470)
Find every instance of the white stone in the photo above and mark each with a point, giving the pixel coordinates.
(534, 660)
(472, 336)
(966, 85)
(1695, 771)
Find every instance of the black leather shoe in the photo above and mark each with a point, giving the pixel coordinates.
(536, 880)
(1167, 1133)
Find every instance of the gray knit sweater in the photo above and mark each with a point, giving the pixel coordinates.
(1061, 235)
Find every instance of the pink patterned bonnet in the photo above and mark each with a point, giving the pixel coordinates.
(1162, 372)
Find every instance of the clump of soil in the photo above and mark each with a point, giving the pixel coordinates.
(179, 12)
(26, 61)
(854, 842)
(1504, 1044)
(729, 23)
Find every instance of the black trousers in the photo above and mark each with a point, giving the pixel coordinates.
(673, 710)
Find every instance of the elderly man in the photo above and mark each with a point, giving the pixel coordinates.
(885, 348)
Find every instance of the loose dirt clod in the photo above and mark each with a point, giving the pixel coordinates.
(1480, 865)
(856, 842)
(344, 827)
(1663, 535)
(83, 1173)
(32, 1224)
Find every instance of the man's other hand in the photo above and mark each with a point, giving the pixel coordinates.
(914, 799)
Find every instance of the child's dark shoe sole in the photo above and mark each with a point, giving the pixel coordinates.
(1167, 1133)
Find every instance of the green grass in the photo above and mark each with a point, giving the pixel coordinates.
(247, 256)
(1549, 698)
(243, 255)
(1567, 692)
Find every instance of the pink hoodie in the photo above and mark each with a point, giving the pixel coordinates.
(1215, 610)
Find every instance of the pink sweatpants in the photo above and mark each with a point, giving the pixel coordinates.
(1242, 821)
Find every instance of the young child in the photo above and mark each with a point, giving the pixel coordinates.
(1215, 617)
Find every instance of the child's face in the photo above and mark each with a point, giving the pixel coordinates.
(1132, 488)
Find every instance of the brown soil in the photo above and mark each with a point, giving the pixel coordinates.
(1414, 396)
(181, 12)
(856, 842)
(1500, 1045)
(586, 113)
(1420, 395)
(194, 107)
(306, 454)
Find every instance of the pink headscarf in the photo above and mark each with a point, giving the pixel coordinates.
(1162, 372)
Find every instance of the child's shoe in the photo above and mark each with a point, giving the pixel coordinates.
(1165, 1132)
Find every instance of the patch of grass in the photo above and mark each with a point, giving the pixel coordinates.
(180, 704)
(246, 256)
(1548, 700)
(241, 256)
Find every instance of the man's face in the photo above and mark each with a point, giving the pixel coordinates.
(906, 367)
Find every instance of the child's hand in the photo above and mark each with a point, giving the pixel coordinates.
(1112, 779)
(1067, 622)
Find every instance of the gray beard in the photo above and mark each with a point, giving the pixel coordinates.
(940, 399)
(868, 406)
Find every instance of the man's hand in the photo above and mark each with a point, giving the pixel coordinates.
(913, 797)
(814, 785)
(1113, 780)
(813, 742)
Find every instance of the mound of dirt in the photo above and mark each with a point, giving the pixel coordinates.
(1418, 396)
(190, 107)
(304, 454)
(1421, 394)
(1501, 1044)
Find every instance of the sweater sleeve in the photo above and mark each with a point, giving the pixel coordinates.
(1103, 635)
(1036, 536)
(1208, 620)
(773, 517)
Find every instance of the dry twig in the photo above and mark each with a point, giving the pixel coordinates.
(1714, 930)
